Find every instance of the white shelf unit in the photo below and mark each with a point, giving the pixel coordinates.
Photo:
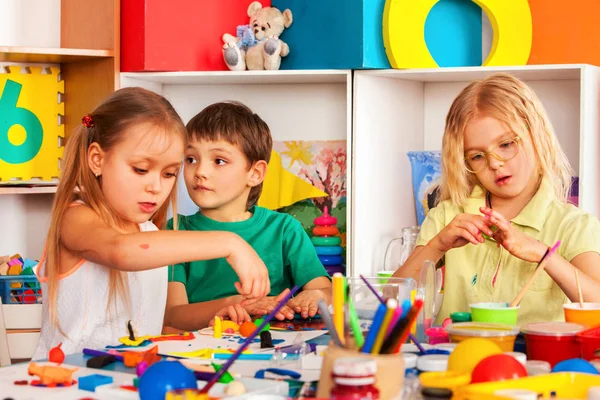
(397, 111)
(297, 105)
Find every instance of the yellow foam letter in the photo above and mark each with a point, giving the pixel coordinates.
(404, 32)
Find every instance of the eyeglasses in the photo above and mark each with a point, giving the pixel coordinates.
(507, 150)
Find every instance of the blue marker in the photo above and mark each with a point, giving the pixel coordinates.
(372, 335)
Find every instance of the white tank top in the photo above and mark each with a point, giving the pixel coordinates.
(82, 306)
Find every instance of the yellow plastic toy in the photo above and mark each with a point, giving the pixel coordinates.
(404, 32)
(282, 188)
(469, 352)
(29, 128)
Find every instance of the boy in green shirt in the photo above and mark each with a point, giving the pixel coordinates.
(225, 163)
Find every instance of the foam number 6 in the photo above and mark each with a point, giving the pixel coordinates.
(404, 32)
(11, 115)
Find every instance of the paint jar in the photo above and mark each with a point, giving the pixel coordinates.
(437, 335)
(589, 315)
(412, 348)
(460, 317)
(589, 340)
(433, 363)
(503, 335)
(499, 313)
(449, 347)
(410, 364)
(537, 367)
(552, 341)
(354, 379)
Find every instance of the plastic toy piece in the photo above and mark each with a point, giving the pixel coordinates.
(50, 375)
(100, 361)
(325, 219)
(132, 358)
(218, 328)
(247, 328)
(175, 336)
(56, 354)
(258, 322)
(91, 382)
(266, 341)
(131, 331)
(225, 325)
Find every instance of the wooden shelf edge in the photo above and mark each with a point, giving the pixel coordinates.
(9, 189)
(50, 55)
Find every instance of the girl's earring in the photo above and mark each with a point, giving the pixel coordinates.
(97, 174)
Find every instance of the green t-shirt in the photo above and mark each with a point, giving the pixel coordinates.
(279, 240)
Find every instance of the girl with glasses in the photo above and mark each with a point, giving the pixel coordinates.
(503, 202)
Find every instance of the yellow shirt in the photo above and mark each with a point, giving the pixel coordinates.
(487, 273)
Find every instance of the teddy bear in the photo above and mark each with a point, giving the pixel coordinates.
(257, 46)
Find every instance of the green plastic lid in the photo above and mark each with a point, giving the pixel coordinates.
(460, 317)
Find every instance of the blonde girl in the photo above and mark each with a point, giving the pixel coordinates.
(105, 259)
(505, 175)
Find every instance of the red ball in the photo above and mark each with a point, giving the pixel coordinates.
(499, 367)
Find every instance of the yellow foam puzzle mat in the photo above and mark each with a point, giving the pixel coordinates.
(404, 32)
(29, 123)
(282, 188)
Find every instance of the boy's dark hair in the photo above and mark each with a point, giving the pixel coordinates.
(237, 124)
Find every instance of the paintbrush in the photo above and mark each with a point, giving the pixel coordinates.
(579, 294)
(540, 268)
(248, 341)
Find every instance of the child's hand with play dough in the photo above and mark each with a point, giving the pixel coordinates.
(254, 281)
(235, 313)
(463, 229)
(516, 242)
(268, 304)
(306, 302)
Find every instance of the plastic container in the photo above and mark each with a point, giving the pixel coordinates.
(503, 335)
(446, 346)
(552, 341)
(410, 364)
(537, 367)
(589, 340)
(460, 317)
(432, 363)
(354, 379)
(20, 289)
(412, 348)
(437, 335)
(499, 313)
(589, 315)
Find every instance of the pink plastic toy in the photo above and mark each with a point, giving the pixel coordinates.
(437, 335)
(325, 219)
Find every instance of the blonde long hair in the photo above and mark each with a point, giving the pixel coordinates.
(511, 101)
(121, 110)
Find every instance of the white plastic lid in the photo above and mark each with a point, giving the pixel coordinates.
(537, 367)
(593, 393)
(517, 394)
(446, 346)
(481, 329)
(412, 348)
(433, 362)
(521, 357)
(354, 367)
(410, 360)
(553, 328)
